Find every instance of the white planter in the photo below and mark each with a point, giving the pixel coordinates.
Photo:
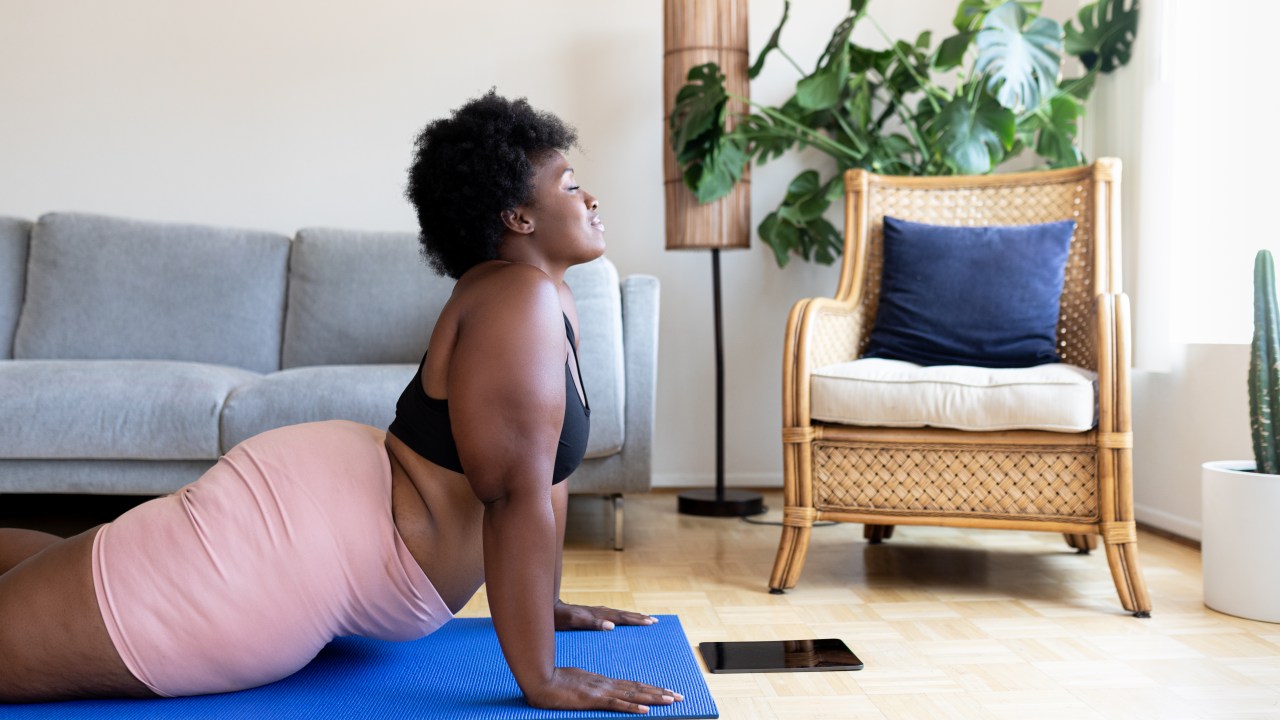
(1240, 540)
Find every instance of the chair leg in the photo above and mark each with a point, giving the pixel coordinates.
(1127, 574)
(876, 534)
(617, 520)
(1082, 544)
(792, 548)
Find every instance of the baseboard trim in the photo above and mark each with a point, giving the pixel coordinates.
(1168, 522)
(706, 480)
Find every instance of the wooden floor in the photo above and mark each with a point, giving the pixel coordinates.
(950, 623)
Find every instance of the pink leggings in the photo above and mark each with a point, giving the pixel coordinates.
(241, 577)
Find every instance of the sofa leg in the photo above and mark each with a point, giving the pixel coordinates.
(617, 520)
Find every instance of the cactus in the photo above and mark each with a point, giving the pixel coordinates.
(1264, 367)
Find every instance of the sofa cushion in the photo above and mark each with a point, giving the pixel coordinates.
(112, 477)
(599, 299)
(110, 288)
(113, 409)
(342, 310)
(361, 393)
(14, 237)
(892, 393)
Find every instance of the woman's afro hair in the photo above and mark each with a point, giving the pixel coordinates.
(471, 166)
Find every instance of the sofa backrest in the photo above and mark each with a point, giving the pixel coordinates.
(111, 288)
(359, 297)
(14, 237)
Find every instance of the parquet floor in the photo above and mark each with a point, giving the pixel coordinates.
(951, 623)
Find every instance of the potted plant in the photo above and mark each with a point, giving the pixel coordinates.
(963, 106)
(1240, 531)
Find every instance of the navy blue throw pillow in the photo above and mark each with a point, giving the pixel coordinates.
(985, 296)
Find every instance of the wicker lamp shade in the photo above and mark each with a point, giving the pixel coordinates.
(697, 32)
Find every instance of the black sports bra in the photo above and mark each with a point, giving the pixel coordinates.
(422, 422)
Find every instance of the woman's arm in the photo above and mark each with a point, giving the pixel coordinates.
(506, 406)
(583, 617)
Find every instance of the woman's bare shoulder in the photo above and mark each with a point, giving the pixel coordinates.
(504, 295)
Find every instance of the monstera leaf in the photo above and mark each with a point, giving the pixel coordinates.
(973, 135)
(697, 120)
(715, 176)
(951, 52)
(797, 226)
(970, 13)
(1056, 139)
(1021, 63)
(771, 45)
(821, 90)
(762, 139)
(712, 159)
(1106, 34)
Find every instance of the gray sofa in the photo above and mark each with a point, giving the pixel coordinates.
(133, 354)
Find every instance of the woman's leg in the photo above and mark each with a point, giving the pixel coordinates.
(17, 545)
(52, 637)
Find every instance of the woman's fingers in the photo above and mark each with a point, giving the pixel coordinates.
(574, 688)
(580, 617)
(639, 696)
(627, 617)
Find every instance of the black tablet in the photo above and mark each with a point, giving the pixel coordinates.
(779, 656)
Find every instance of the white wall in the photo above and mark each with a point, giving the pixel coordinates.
(288, 113)
(1194, 412)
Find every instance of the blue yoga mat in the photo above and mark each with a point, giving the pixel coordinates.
(456, 673)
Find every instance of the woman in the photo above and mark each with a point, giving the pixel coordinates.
(312, 531)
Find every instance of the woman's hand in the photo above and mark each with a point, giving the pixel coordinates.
(575, 689)
(582, 617)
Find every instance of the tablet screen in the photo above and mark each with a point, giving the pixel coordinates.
(779, 656)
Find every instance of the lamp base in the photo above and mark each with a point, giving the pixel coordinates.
(736, 503)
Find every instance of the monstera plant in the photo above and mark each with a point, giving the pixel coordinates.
(981, 96)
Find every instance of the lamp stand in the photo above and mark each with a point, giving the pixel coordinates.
(719, 502)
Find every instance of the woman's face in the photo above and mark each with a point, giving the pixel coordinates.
(566, 223)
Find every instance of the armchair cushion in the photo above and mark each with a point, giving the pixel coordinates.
(984, 296)
(891, 393)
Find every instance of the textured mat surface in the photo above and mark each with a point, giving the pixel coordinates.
(456, 673)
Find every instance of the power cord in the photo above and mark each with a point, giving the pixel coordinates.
(823, 523)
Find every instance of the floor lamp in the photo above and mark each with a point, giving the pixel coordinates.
(697, 32)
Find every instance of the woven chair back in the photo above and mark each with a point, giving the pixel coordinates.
(1010, 199)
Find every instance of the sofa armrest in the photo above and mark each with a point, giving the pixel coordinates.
(630, 469)
(640, 348)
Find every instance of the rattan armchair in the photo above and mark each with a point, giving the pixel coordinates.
(1077, 484)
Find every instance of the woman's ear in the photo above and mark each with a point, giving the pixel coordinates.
(517, 220)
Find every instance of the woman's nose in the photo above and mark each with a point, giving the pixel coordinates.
(592, 202)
